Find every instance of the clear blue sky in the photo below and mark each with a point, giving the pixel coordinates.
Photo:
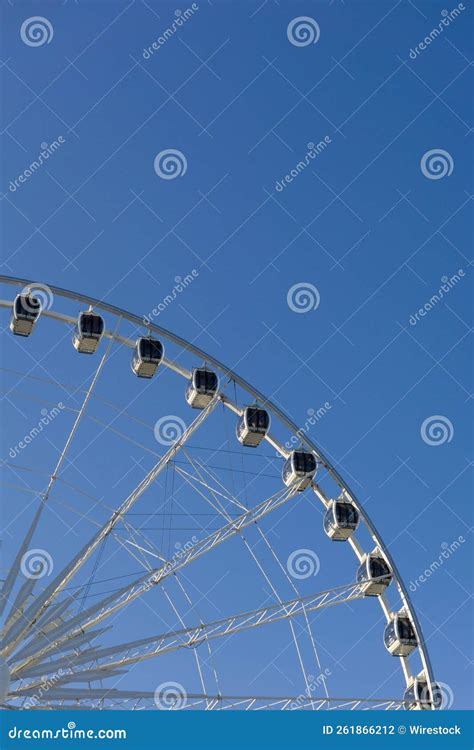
(362, 223)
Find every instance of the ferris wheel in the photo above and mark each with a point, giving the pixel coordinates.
(179, 621)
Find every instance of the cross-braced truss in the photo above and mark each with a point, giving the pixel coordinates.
(58, 651)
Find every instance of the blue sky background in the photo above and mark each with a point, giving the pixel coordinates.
(362, 223)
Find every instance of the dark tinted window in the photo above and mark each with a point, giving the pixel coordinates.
(205, 380)
(423, 694)
(150, 349)
(438, 697)
(378, 567)
(91, 324)
(257, 418)
(405, 630)
(304, 462)
(346, 515)
(27, 305)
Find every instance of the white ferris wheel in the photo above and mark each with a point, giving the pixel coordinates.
(180, 620)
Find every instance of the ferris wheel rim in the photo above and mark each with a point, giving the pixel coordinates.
(284, 419)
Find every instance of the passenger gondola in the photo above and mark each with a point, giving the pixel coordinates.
(374, 574)
(202, 387)
(88, 332)
(147, 356)
(340, 520)
(417, 695)
(25, 312)
(253, 426)
(299, 469)
(399, 636)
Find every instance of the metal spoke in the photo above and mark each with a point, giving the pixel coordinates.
(13, 574)
(146, 648)
(129, 593)
(212, 702)
(31, 616)
(47, 631)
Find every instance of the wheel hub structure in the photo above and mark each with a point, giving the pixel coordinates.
(172, 539)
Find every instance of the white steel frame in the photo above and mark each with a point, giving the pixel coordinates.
(56, 635)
